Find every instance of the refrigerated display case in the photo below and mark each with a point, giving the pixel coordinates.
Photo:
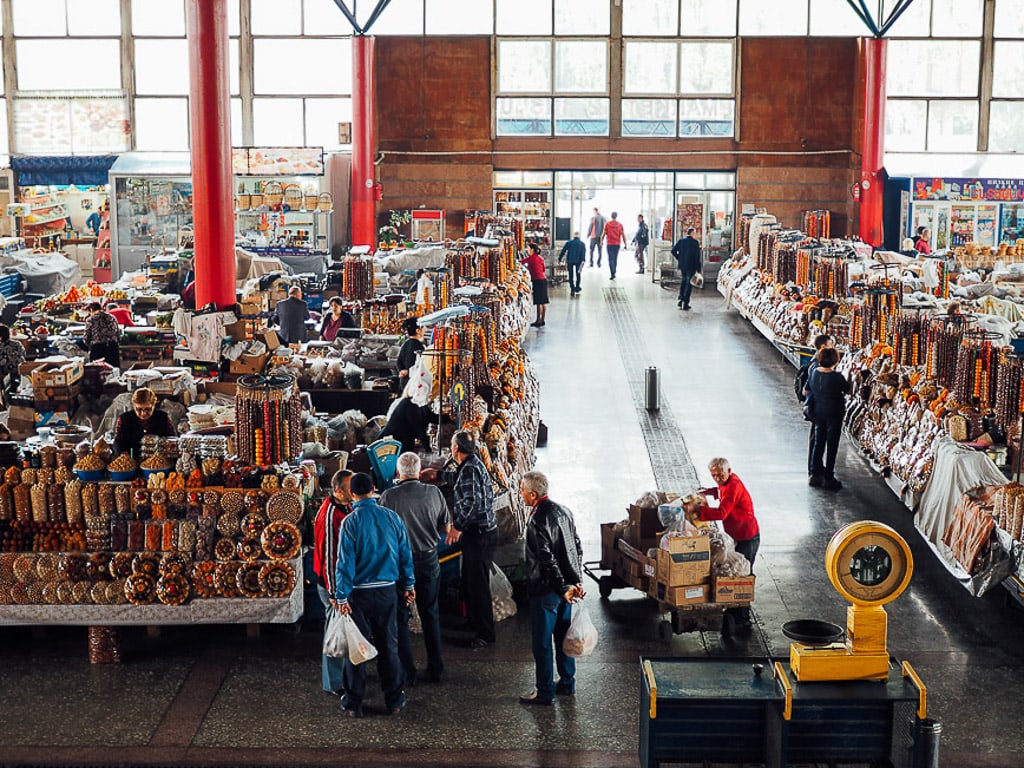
(427, 226)
(1011, 222)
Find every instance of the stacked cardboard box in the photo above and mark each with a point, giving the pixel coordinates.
(683, 571)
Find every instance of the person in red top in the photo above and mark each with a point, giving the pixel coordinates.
(614, 237)
(121, 314)
(736, 511)
(538, 275)
(922, 245)
(326, 538)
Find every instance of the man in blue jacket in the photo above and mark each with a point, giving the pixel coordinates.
(575, 253)
(687, 253)
(373, 560)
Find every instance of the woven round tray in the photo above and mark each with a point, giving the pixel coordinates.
(286, 506)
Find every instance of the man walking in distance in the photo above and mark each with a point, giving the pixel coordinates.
(554, 576)
(575, 253)
(595, 233)
(326, 535)
(687, 253)
(641, 240)
(425, 514)
(373, 564)
(614, 236)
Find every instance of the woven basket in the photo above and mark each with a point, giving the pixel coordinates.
(293, 197)
(311, 201)
(273, 194)
(325, 202)
(242, 202)
(255, 201)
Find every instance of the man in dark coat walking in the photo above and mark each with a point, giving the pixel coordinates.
(687, 253)
(575, 253)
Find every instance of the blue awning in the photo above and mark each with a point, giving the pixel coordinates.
(81, 170)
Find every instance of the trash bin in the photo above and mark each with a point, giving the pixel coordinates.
(652, 389)
(931, 734)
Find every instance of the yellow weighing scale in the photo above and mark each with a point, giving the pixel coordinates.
(870, 565)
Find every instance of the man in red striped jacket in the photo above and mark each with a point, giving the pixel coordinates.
(326, 537)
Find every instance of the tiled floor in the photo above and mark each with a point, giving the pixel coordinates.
(210, 695)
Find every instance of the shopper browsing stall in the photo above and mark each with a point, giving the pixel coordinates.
(326, 535)
(335, 319)
(102, 335)
(143, 419)
(291, 316)
(424, 292)
(803, 378)
(407, 423)
(827, 404)
(411, 349)
(122, 314)
(534, 263)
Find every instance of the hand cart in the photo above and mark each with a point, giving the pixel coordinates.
(702, 617)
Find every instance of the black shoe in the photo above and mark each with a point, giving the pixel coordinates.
(398, 706)
(535, 325)
(435, 677)
(480, 642)
(565, 690)
(679, 303)
(815, 481)
(356, 711)
(410, 678)
(831, 484)
(533, 699)
(686, 307)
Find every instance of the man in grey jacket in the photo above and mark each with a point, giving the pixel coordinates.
(425, 514)
(291, 315)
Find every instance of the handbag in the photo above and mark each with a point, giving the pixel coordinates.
(697, 281)
(809, 408)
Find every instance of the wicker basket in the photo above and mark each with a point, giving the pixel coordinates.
(325, 202)
(243, 201)
(311, 201)
(255, 201)
(293, 197)
(273, 194)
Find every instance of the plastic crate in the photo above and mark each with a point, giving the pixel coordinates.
(10, 284)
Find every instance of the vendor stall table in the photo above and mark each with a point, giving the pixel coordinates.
(372, 402)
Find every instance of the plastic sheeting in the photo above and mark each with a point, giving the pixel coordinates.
(46, 273)
(424, 257)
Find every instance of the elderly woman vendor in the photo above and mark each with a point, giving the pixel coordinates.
(143, 419)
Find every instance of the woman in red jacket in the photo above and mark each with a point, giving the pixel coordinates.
(534, 263)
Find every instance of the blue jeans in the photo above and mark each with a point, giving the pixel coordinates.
(613, 257)
(685, 289)
(550, 616)
(748, 548)
(374, 611)
(428, 586)
(575, 270)
(331, 670)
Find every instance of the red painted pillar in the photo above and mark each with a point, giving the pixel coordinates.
(363, 143)
(212, 186)
(873, 148)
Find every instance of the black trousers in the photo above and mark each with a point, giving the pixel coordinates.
(748, 549)
(827, 432)
(477, 558)
(108, 351)
(685, 289)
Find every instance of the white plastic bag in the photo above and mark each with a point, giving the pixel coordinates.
(502, 602)
(335, 642)
(359, 648)
(697, 281)
(581, 639)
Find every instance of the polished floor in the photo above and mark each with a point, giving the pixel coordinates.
(214, 696)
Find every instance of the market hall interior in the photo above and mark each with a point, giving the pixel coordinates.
(217, 696)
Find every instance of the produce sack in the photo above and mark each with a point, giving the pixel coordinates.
(581, 639)
(501, 594)
(359, 648)
(335, 642)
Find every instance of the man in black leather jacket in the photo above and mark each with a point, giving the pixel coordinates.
(554, 576)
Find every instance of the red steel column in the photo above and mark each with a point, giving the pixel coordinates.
(873, 148)
(210, 114)
(363, 143)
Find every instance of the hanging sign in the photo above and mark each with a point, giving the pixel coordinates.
(962, 188)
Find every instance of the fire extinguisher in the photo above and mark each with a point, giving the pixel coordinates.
(855, 191)
(378, 191)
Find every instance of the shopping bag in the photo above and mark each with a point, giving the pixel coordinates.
(581, 639)
(502, 602)
(359, 648)
(697, 281)
(335, 642)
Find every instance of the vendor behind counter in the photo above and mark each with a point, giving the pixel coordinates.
(144, 419)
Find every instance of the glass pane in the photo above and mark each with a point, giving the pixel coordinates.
(523, 17)
(69, 125)
(835, 18)
(94, 18)
(323, 17)
(706, 117)
(401, 17)
(523, 117)
(161, 124)
(325, 64)
(98, 125)
(1008, 70)
(37, 70)
(234, 19)
(524, 66)
(649, 117)
(537, 178)
(457, 17)
(719, 180)
(1005, 129)
(913, 22)
(779, 17)
(508, 178)
(952, 126)
(159, 18)
(277, 122)
(581, 66)
(322, 118)
(276, 17)
(707, 18)
(957, 18)
(159, 65)
(933, 67)
(581, 117)
(647, 18)
(1010, 18)
(39, 17)
(651, 67)
(236, 123)
(689, 181)
(905, 125)
(582, 17)
(705, 68)
(4, 148)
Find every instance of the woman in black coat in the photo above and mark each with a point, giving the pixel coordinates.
(827, 402)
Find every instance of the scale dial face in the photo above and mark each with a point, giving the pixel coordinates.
(868, 563)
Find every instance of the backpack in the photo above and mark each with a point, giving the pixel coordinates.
(800, 380)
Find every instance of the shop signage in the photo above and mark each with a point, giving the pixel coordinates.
(967, 189)
(277, 161)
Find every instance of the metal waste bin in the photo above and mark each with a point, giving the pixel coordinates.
(931, 734)
(652, 389)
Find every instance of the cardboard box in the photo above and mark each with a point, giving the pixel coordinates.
(738, 589)
(218, 387)
(629, 551)
(645, 520)
(57, 371)
(253, 305)
(270, 338)
(608, 536)
(236, 330)
(630, 571)
(21, 413)
(687, 561)
(52, 418)
(22, 428)
(249, 364)
(686, 594)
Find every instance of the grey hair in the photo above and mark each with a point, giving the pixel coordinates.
(409, 465)
(295, 291)
(719, 463)
(536, 482)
